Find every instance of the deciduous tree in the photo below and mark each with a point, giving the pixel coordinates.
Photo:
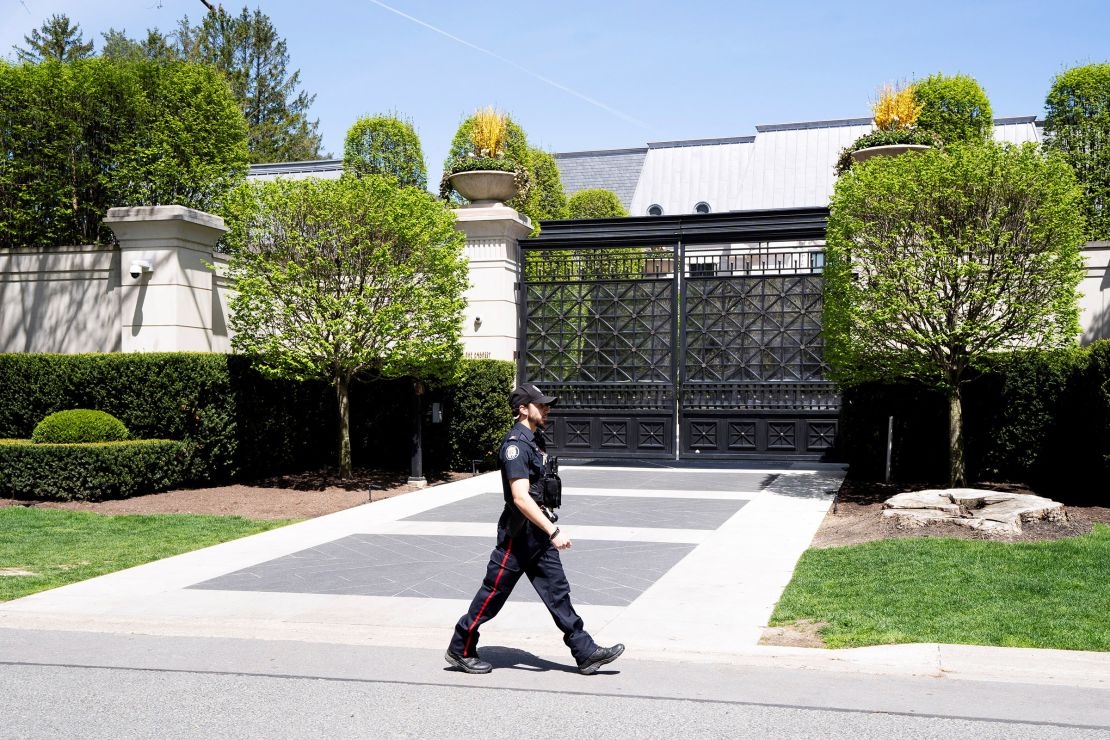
(937, 259)
(84, 136)
(1077, 125)
(344, 278)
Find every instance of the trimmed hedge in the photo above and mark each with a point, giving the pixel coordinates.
(236, 424)
(1041, 418)
(90, 472)
(79, 425)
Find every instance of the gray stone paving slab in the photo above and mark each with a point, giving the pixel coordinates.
(737, 480)
(601, 572)
(600, 511)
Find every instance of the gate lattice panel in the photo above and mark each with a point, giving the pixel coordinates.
(721, 357)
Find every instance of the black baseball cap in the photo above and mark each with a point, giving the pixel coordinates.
(527, 393)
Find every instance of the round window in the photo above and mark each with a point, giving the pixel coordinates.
(655, 210)
(702, 207)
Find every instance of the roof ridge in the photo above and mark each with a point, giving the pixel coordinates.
(702, 142)
(595, 152)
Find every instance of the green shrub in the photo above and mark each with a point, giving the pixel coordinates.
(595, 203)
(90, 472)
(547, 199)
(1035, 417)
(478, 413)
(81, 137)
(181, 396)
(385, 145)
(77, 426)
(955, 108)
(236, 424)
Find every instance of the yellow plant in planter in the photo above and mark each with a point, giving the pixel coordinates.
(896, 109)
(490, 133)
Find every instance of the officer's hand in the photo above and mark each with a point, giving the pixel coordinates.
(561, 541)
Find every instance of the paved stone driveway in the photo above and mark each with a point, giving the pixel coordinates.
(601, 572)
(672, 561)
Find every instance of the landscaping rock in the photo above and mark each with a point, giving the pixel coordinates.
(988, 511)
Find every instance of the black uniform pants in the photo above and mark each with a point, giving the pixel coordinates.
(539, 560)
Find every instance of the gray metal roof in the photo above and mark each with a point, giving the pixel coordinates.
(325, 169)
(785, 165)
(613, 169)
(677, 178)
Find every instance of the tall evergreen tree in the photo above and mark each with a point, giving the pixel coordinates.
(57, 39)
(248, 51)
(155, 48)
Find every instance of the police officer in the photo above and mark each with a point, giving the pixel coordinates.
(528, 543)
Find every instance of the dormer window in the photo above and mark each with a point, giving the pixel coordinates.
(702, 207)
(655, 210)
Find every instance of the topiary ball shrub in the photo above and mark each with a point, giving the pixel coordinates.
(79, 425)
(595, 203)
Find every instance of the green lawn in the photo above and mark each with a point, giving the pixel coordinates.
(1041, 594)
(62, 547)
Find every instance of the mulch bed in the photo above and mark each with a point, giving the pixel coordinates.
(297, 496)
(856, 517)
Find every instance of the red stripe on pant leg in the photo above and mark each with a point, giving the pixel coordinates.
(491, 593)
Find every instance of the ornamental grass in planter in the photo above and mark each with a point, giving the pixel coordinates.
(484, 173)
(895, 115)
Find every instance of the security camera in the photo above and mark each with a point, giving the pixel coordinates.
(138, 267)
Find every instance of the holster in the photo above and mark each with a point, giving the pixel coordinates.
(547, 491)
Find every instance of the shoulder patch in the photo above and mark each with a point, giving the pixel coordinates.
(511, 452)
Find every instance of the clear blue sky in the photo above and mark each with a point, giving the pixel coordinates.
(625, 73)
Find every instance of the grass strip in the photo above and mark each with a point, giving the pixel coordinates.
(1052, 594)
(60, 547)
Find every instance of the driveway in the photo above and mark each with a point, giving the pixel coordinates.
(670, 561)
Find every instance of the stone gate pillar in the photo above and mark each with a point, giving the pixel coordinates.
(491, 325)
(169, 300)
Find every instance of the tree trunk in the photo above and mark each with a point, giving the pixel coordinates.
(342, 394)
(957, 473)
(417, 468)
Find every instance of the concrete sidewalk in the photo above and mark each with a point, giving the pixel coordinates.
(678, 564)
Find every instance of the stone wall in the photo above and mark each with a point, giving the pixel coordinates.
(1094, 305)
(61, 299)
(165, 289)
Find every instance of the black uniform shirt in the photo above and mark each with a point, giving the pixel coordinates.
(520, 457)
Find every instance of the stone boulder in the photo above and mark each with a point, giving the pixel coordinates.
(991, 511)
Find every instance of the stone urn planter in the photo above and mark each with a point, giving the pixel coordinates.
(890, 150)
(485, 187)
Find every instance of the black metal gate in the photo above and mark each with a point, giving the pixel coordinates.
(703, 344)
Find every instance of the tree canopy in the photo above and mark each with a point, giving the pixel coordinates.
(338, 279)
(595, 203)
(58, 39)
(155, 47)
(936, 259)
(385, 145)
(88, 135)
(1077, 126)
(954, 107)
(248, 51)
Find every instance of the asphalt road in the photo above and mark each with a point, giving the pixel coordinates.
(74, 684)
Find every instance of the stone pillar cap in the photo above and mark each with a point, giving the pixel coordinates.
(133, 214)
